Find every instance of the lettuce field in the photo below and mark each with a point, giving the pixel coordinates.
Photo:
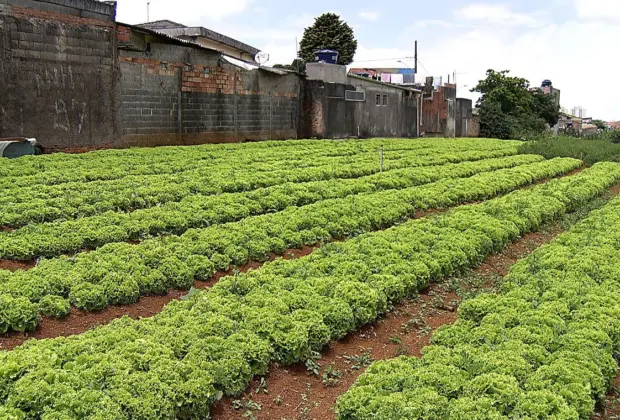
(263, 255)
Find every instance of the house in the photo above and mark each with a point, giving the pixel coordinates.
(398, 76)
(548, 88)
(613, 125)
(205, 38)
(589, 129)
(569, 124)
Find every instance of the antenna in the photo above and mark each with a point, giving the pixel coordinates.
(261, 58)
(148, 11)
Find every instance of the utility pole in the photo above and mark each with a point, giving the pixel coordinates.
(297, 56)
(148, 11)
(415, 57)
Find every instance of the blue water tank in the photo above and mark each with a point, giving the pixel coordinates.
(326, 56)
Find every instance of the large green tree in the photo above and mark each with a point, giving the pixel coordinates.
(510, 93)
(544, 106)
(600, 124)
(510, 109)
(328, 32)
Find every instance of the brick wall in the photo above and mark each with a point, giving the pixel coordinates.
(439, 112)
(177, 94)
(58, 72)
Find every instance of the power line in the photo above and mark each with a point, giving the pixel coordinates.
(427, 72)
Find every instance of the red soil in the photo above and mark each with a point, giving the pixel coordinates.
(293, 393)
(80, 321)
(14, 265)
(609, 409)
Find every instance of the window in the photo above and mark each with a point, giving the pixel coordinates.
(355, 95)
(378, 99)
(384, 100)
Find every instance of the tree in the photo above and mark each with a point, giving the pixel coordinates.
(493, 122)
(511, 93)
(328, 32)
(297, 65)
(544, 107)
(600, 124)
(510, 109)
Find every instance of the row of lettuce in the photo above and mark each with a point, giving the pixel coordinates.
(177, 363)
(108, 165)
(30, 165)
(545, 347)
(36, 204)
(101, 167)
(197, 211)
(120, 273)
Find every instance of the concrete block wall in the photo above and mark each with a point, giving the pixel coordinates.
(473, 128)
(74, 78)
(150, 101)
(176, 94)
(464, 116)
(399, 118)
(326, 113)
(58, 72)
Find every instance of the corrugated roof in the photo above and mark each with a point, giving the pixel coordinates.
(231, 60)
(173, 39)
(175, 29)
(161, 24)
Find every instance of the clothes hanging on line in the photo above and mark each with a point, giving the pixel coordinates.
(397, 79)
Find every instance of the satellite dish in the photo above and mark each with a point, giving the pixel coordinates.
(261, 58)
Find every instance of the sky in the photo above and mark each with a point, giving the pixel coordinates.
(573, 43)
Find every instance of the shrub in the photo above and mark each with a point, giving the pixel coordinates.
(590, 151)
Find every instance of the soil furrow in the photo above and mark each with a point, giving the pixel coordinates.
(294, 392)
(80, 321)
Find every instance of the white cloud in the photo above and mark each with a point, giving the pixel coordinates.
(434, 22)
(189, 12)
(598, 9)
(279, 42)
(496, 14)
(368, 15)
(577, 55)
(574, 55)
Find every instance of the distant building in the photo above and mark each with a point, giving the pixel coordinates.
(205, 38)
(579, 112)
(588, 129)
(547, 87)
(569, 124)
(394, 75)
(614, 125)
